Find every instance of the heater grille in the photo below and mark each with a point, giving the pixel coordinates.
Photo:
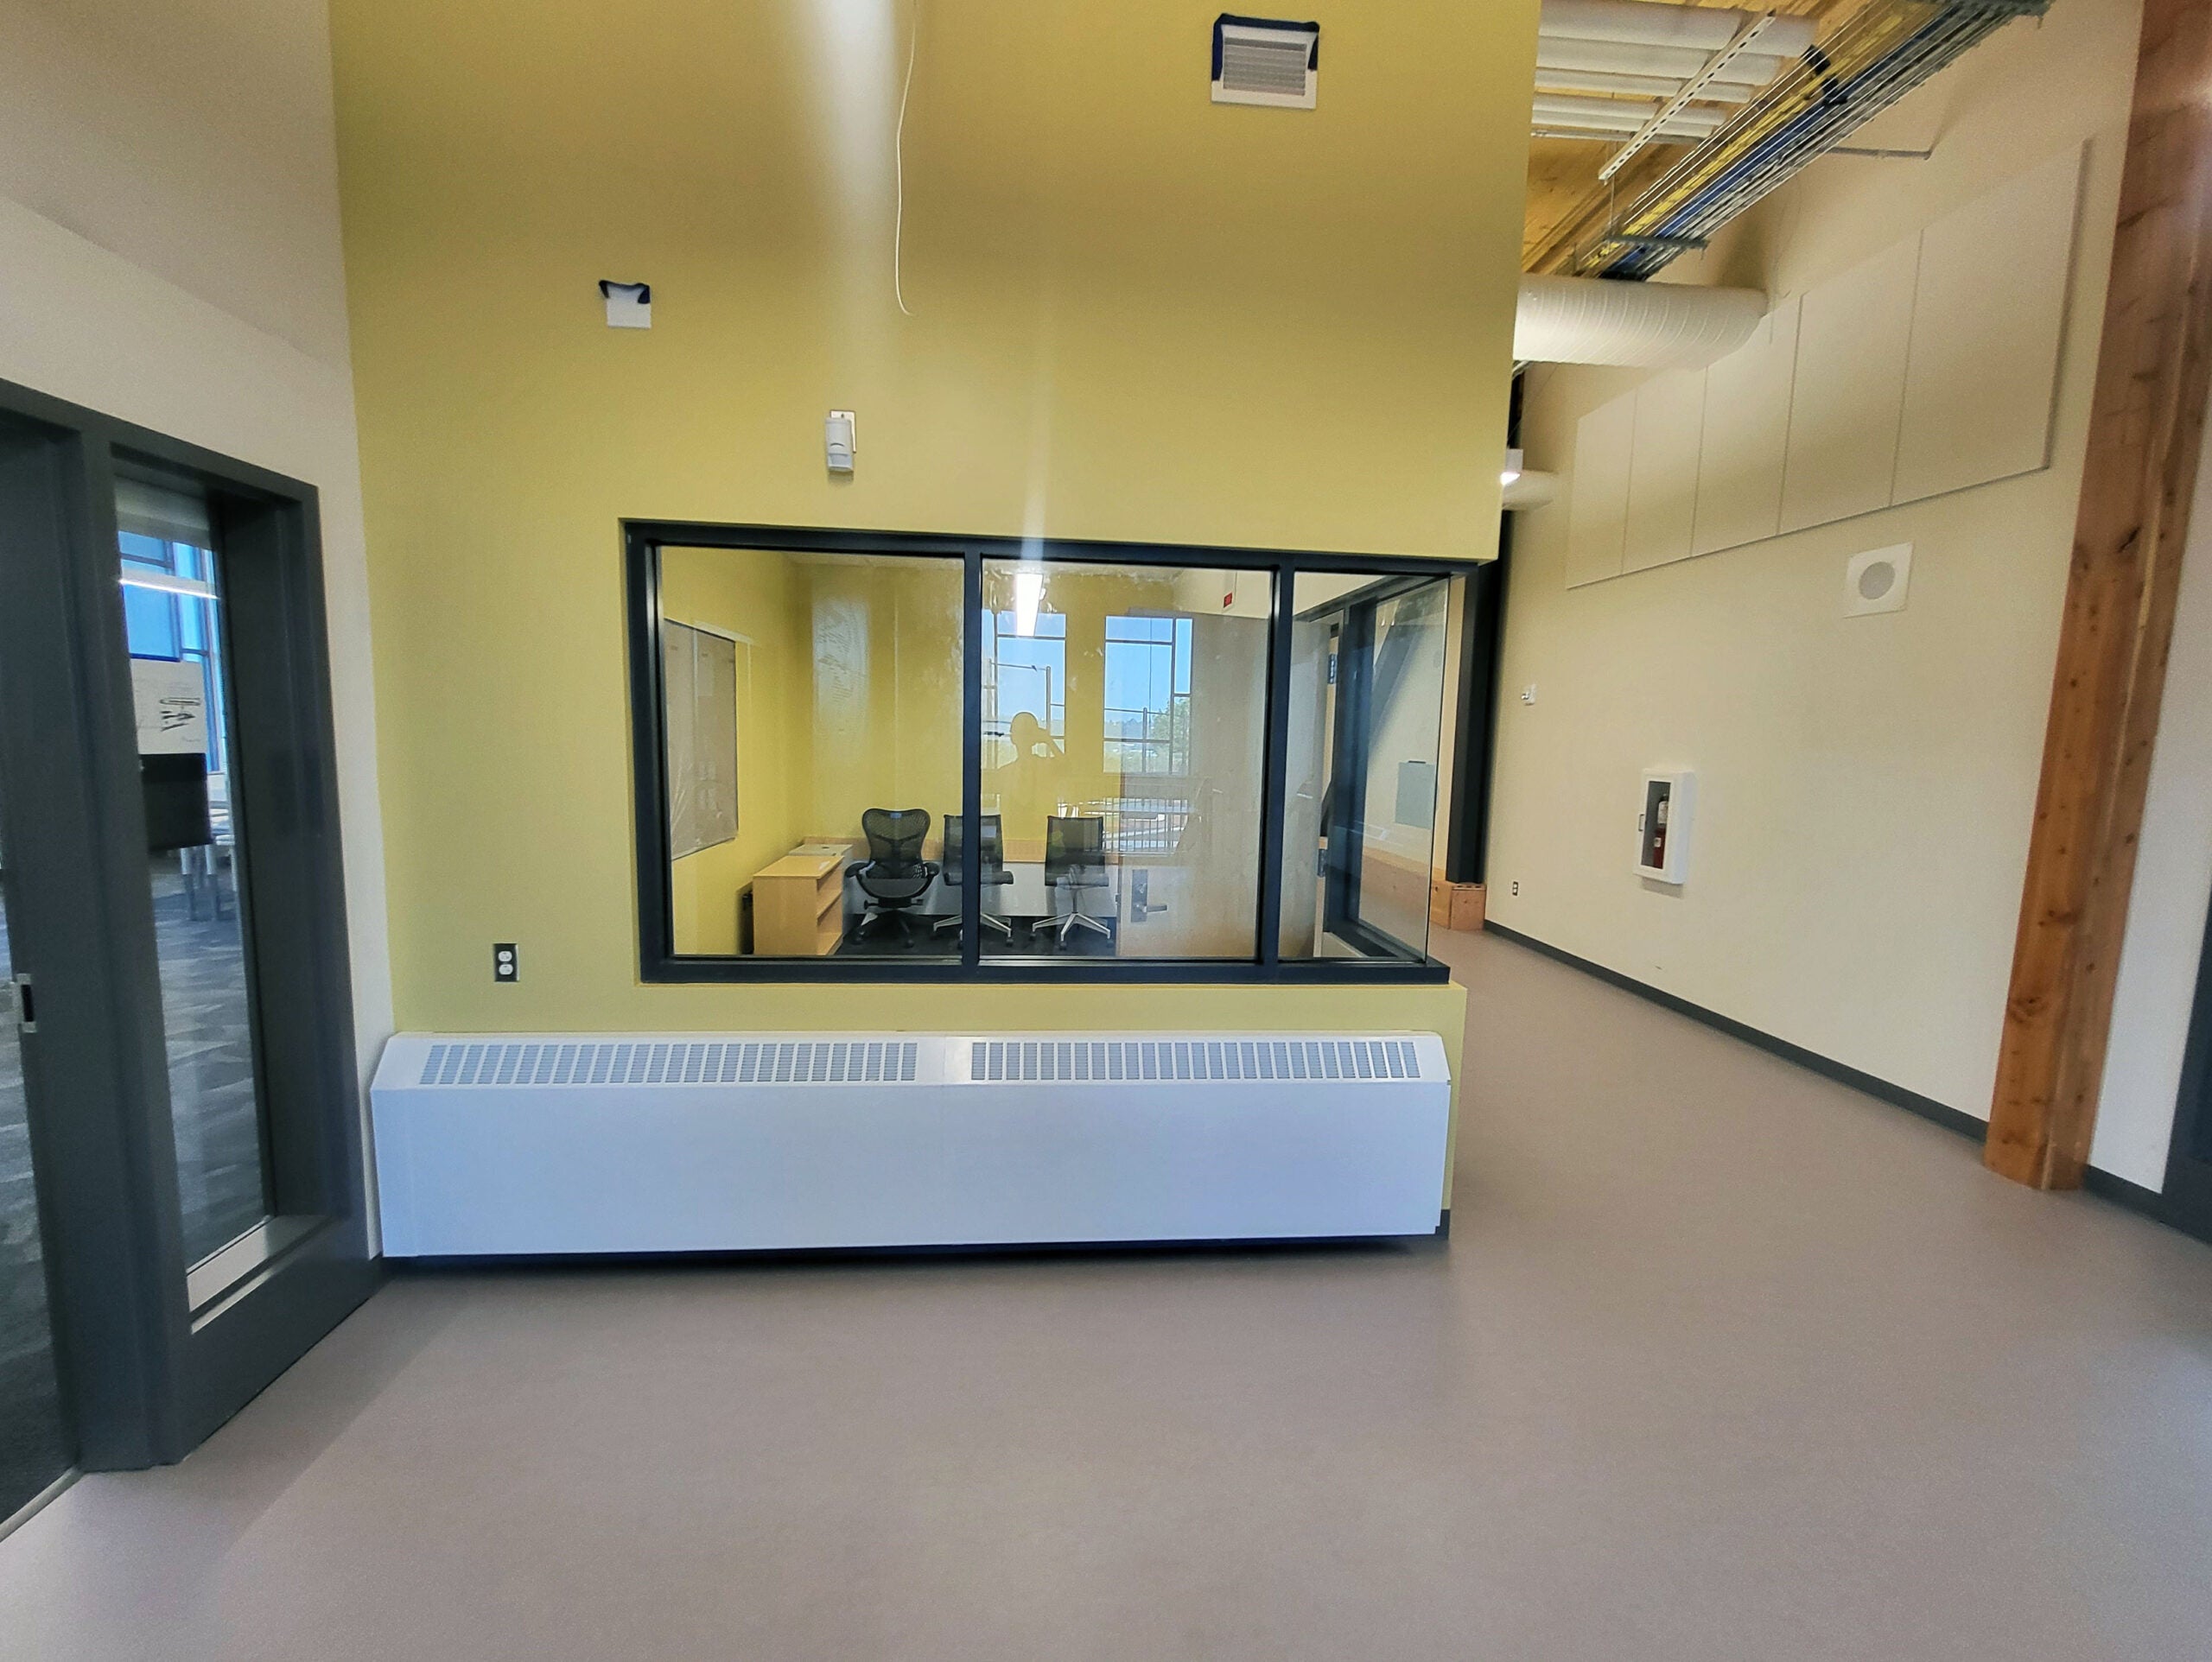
(561, 1061)
(1077, 1060)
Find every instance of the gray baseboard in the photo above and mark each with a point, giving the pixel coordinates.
(2119, 1191)
(1926, 1108)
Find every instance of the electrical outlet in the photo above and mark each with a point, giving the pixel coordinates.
(504, 966)
(1516, 885)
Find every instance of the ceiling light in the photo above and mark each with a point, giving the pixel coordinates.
(1028, 595)
(167, 583)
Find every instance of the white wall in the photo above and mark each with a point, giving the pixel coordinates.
(169, 254)
(1866, 785)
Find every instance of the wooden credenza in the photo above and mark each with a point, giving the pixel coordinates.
(798, 906)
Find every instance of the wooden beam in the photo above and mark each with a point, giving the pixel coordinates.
(2146, 424)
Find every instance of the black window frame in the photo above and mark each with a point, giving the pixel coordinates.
(149, 1370)
(657, 962)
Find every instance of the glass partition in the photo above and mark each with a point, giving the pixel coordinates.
(811, 735)
(1365, 720)
(1124, 738)
(181, 681)
(921, 755)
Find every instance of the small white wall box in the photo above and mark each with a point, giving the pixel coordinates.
(1876, 580)
(1265, 61)
(838, 442)
(629, 305)
(1662, 829)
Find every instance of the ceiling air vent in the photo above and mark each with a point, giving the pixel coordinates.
(1265, 61)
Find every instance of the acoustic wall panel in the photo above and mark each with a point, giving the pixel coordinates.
(1662, 469)
(1597, 512)
(1988, 309)
(1847, 398)
(1746, 425)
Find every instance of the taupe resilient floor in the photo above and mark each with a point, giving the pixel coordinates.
(1722, 1360)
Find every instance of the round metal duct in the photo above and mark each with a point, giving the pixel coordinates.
(1645, 324)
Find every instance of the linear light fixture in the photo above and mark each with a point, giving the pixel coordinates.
(1028, 596)
(169, 583)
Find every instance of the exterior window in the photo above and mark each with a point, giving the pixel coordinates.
(1025, 674)
(1133, 830)
(1149, 693)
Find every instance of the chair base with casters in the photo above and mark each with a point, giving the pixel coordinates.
(902, 914)
(1064, 927)
(991, 867)
(988, 920)
(1075, 861)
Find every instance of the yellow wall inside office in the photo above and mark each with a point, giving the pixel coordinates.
(1131, 314)
(848, 699)
(750, 596)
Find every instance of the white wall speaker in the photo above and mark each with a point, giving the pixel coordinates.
(1876, 580)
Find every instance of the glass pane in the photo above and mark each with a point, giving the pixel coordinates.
(1366, 713)
(1124, 734)
(180, 685)
(34, 1448)
(811, 717)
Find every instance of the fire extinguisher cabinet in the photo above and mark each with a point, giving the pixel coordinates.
(1662, 825)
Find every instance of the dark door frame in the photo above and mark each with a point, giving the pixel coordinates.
(146, 1376)
(2186, 1201)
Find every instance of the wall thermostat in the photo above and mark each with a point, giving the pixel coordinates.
(837, 440)
(1662, 829)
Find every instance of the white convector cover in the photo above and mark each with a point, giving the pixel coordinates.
(527, 1144)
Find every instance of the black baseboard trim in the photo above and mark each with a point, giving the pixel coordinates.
(2147, 1203)
(1942, 1113)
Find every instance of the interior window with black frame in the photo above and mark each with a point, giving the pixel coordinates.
(1366, 716)
(1123, 774)
(810, 722)
(927, 756)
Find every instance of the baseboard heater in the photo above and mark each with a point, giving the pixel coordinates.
(522, 1145)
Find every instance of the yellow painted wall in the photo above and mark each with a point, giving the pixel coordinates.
(1130, 314)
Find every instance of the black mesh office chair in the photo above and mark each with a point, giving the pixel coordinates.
(1075, 859)
(895, 877)
(990, 854)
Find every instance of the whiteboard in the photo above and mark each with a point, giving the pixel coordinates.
(699, 719)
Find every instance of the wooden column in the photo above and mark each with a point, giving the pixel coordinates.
(2146, 426)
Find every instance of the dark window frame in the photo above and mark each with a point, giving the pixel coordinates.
(658, 962)
(147, 1373)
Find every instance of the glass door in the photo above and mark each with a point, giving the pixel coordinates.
(174, 631)
(182, 1195)
(36, 1447)
(1367, 677)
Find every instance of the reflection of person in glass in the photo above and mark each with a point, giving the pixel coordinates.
(1030, 781)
